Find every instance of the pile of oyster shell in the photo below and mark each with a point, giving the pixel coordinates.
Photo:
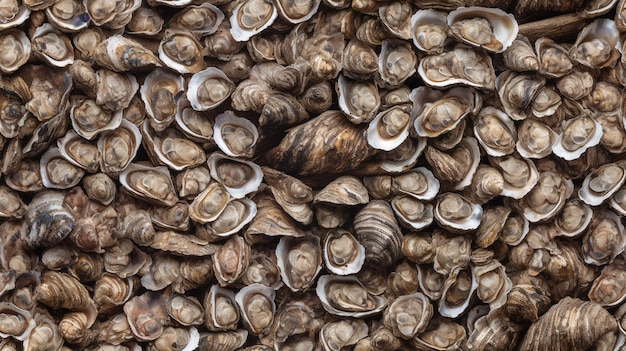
(312, 175)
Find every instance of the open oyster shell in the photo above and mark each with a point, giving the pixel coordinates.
(152, 184)
(578, 134)
(343, 254)
(299, 260)
(221, 309)
(602, 183)
(159, 93)
(346, 296)
(239, 177)
(257, 307)
(235, 136)
(17, 45)
(437, 112)
(250, 17)
(209, 88)
(429, 30)
(487, 28)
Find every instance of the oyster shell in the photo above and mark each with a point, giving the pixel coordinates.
(608, 289)
(221, 312)
(457, 166)
(79, 151)
(48, 220)
(181, 51)
(89, 119)
(574, 336)
(412, 213)
(604, 240)
(231, 260)
(436, 112)
(490, 29)
(429, 30)
(147, 315)
(159, 93)
(495, 131)
(376, 228)
(257, 307)
(358, 100)
(396, 61)
(238, 177)
(547, 198)
(457, 292)
(152, 184)
(171, 148)
(461, 65)
(235, 136)
(16, 48)
(209, 88)
(602, 183)
(52, 45)
(346, 296)
(408, 315)
(291, 194)
(250, 17)
(534, 139)
(118, 148)
(299, 260)
(578, 134)
(520, 175)
(202, 19)
(121, 54)
(597, 45)
(554, 61)
(343, 254)
(389, 129)
(345, 190)
(336, 335)
(15, 322)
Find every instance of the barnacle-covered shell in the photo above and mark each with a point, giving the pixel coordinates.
(343, 254)
(299, 260)
(490, 29)
(346, 296)
(408, 315)
(377, 229)
(209, 88)
(593, 322)
(153, 184)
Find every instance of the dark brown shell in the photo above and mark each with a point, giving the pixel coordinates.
(572, 324)
(328, 143)
(376, 228)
